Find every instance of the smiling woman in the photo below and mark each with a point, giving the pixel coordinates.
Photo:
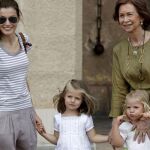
(8, 23)
(131, 66)
(17, 114)
(129, 18)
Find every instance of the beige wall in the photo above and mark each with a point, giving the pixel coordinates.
(55, 29)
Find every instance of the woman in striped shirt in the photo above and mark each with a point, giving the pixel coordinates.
(18, 119)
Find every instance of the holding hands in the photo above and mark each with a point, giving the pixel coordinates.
(52, 138)
(39, 125)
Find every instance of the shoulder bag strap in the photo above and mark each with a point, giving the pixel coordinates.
(23, 40)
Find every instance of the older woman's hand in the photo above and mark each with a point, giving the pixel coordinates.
(142, 127)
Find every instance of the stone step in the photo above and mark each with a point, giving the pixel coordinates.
(51, 147)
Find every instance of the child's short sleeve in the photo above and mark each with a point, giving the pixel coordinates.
(57, 119)
(89, 123)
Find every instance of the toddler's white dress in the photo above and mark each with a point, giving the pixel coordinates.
(128, 136)
(72, 132)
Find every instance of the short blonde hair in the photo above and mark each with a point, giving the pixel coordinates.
(142, 96)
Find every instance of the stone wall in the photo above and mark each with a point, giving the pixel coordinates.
(97, 68)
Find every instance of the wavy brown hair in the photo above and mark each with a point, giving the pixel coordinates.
(141, 7)
(11, 3)
(87, 106)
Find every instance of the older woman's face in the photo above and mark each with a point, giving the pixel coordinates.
(129, 19)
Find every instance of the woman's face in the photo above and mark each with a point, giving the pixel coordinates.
(129, 18)
(8, 21)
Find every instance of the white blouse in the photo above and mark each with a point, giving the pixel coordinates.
(128, 136)
(72, 131)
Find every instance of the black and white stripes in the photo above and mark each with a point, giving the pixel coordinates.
(14, 94)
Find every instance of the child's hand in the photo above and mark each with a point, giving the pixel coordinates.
(120, 119)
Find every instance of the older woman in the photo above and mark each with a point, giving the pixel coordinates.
(131, 65)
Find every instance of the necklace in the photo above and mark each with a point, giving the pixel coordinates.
(135, 51)
(135, 48)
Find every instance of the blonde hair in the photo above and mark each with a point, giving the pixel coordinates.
(141, 96)
(87, 105)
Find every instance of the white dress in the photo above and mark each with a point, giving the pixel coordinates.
(128, 135)
(72, 132)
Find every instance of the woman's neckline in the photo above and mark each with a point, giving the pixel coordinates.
(146, 38)
(9, 52)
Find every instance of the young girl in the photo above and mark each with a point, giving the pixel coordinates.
(136, 107)
(73, 125)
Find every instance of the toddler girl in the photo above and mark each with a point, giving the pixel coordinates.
(136, 107)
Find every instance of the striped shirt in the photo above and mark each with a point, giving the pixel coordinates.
(14, 94)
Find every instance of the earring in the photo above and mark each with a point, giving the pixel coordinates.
(141, 22)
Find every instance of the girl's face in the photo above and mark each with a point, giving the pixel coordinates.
(134, 109)
(8, 21)
(129, 18)
(73, 100)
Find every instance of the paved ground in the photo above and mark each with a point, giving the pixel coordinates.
(103, 126)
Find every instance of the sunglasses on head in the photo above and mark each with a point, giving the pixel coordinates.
(11, 19)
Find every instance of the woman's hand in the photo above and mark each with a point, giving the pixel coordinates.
(142, 127)
(39, 125)
(145, 115)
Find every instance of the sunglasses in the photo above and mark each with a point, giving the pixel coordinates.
(11, 19)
